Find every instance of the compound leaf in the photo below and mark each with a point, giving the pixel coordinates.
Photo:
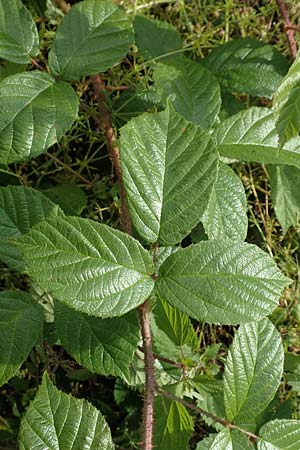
(35, 112)
(248, 66)
(226, 213)
(20, 208)
(88, 266)
(21, 322)
(280, 435)
(104, 346)
(285, 187)
(169, 167)
(253, 371)
(173, 425)
(194, 91)
(226, 282)
(251, 135)
(286, 104)
(55, 420)
(19, 40)
(92, 37)
(155, 38)
(226, 440)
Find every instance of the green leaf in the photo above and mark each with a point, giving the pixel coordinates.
(280, 435)
(226, 440)
(92, 37)
(221, 281)
(19, 40)
(230, 105)
(133, 102)
(253, 371)
(55, 420)
(175, 324)
(88, 266)
(9, 68)
(155, 38)
(70, 197)
(20, 208)
(36, 112)
(248, 66)
(285, 187)
(226, 214)
(104, 346)
(251, 136)
(288, 122)
(169, 167)
(21, 322)
(38, 7)
(286, 104)
(194, 91)
(209, 394)
(173, 425)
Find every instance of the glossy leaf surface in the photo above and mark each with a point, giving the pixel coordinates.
(174, 426)
(21, 321)
(221, 281)
(55, 420)
(226, 213)
(194, 91)
(248, 66)
(253, 371)
(169, 167)
(104, 346)
(280, 435)
(35, 112)
(19, 40)
(92, 37)
(88, 266)
(20, 209)
(285, 189)
(251, 135)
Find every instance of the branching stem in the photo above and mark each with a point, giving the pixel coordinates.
(288, 27)
(105, 124)
(196, 409)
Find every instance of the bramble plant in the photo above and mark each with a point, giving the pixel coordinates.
(119, 297)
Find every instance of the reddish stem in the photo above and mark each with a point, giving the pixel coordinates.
(196, 409)
(149, 393)
(105, 123)
(106, 126)
(289, 31)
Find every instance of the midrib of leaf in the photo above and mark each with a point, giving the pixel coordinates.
(90, 245)
(30, 101)
(165, 194)
(252, 377)
(82, 44)
(220, 307)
